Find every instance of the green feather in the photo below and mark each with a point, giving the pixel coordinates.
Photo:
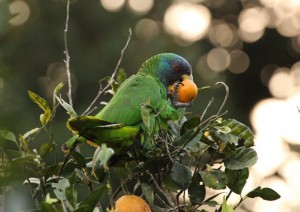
(125, 105)
(99, 131)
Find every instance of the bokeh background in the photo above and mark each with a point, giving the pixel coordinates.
(251, 45)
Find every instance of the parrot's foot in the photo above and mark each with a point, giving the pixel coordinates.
(174, 98)
(181, 104)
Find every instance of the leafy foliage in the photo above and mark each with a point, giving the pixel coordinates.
(190, 157)
(194, 154)
(265, 193)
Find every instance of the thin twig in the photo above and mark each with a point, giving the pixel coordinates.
(33, 194)
(177, 207)
(129, 178)
(109, 189)
(161, 200)
(214, 117)
(177, 196)
(241, 200)
(101, 91)
(4, 176)
(205, 110)
(170, 202)
(28, 181)
(168, 151)
(157, 114)
(67, 157)
(225, 98)
(66, 52)
(228, 195)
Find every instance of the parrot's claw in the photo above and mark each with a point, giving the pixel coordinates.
(181, 104)
(174, 97)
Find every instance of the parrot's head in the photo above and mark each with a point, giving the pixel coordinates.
(168, 67)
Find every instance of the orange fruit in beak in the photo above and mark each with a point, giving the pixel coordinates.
(187, 91)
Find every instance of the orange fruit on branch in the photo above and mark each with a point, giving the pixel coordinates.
(131, 203)
(187, 91)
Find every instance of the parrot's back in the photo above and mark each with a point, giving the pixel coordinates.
(125, 105)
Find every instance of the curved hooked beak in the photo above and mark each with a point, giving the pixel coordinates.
(185, 76)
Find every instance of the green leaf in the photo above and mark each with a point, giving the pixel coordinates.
(45, 149)
(186, 137)
(60, 192)
(198, 149)
(107, 79)
(147, 116)
(55, 92)
(44, 118)
(80, 160)
(92, 199)
(62, 184)
(211, 203)
(240, 130)
(196, 190)
(201, 89)
(33, 180)
(264, 193)
(236, 179)
(23, 143)
(215, 179)
(31, 132)
(71, 195)
(226, 207)
(64, 192)
(190, 124)
(241, 158)
(8, 135)
(50, 170)
(50, 200)
(47, 206)
(24, 159)
(84, 208)
(182, 175)
(148, 192)
(122, 76)
(43, 104)
(170, 184)
(8, 140)
(66, 106)
(195, 145)
(102, 156)
(155, 208)
(223, 129)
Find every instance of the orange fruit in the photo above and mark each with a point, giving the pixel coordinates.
(187, 91)
(131, 203)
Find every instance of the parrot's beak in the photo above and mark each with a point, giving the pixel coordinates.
(185, 76)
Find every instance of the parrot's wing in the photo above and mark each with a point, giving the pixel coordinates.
(99, 131)
(125, 106)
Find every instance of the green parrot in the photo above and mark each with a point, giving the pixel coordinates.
(120, 122)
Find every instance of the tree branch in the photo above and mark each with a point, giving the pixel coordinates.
(101, 91)
(67, 59)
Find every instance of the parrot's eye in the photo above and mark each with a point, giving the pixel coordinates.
(176, 68)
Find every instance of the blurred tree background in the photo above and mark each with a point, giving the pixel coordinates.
(253, 46)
